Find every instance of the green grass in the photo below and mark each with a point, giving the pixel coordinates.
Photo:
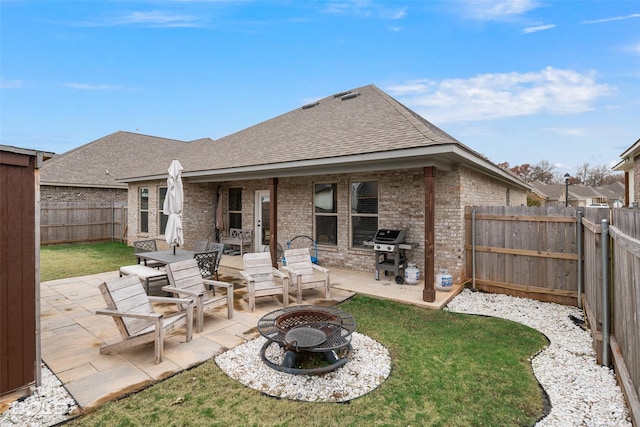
(80, 259)
(448, 369)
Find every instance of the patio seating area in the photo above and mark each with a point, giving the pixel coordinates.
(72, 333)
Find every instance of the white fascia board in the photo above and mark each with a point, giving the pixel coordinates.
(443, 157)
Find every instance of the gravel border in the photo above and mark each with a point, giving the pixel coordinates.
(581, 392)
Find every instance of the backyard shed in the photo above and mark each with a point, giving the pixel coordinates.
(19, 270)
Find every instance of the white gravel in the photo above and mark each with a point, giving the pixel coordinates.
(581, 392)
(49, 405)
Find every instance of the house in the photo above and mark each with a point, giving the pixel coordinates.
(630, 165)
(89, 173)
(337, 170)
(579, 195)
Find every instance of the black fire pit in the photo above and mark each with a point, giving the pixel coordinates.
(308, 329)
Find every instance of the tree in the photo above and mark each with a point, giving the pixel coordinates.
(543, 172)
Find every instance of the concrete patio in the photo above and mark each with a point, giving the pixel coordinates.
(72, 334)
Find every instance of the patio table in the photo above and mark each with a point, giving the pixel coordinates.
(166, 257)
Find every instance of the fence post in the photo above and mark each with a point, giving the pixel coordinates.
(580, 254)
(605, 292)
(473, 248)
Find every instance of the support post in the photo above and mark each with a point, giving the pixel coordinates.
(429, 292)
(605, 292)
(579, 235)
(273, 220)
(473, 248)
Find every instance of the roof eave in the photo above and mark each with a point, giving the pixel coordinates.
(443, 157)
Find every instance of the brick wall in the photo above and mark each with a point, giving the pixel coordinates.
(52, 193)
(401, 206)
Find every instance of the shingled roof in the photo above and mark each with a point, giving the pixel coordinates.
(359, 129)
(102, 162)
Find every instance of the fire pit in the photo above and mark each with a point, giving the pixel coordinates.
(308, 329)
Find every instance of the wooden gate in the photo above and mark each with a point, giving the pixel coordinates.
(523, 251)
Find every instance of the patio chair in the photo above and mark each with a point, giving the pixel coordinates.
(219, 248)
(206, 261)
(186, 281)
(136, 320)
(302, 272)
(263, 279)
(303, 242)
(200, 245)
(147, 246)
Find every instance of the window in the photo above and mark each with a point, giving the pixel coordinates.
(235, 208)
(364, 212)
(144, 209)
(162, 220)
(325, 200)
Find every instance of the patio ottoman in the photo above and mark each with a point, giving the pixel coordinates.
(147, 275)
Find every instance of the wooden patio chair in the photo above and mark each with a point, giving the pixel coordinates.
(186, 281)
(200, 245)
(302, 272)
(136, 320)
(147, 246)
(263, 279)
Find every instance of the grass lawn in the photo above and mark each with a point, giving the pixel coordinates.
(448, 369)
(80, 259)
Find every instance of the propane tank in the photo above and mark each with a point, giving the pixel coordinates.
(444, 281)
(412, 274)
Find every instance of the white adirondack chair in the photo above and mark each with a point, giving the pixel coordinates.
(302, 272)
(138, 323)
(263, 279)
(185, 280)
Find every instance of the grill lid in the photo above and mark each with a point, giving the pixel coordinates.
(389, 236)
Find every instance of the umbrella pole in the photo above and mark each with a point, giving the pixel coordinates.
(174, 249)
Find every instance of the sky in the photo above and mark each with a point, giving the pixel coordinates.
(518, 81)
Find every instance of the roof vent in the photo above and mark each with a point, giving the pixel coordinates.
(313, 104)
(349, 96)
(338, 95)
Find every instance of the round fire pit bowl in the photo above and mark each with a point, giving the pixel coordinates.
(308, 329)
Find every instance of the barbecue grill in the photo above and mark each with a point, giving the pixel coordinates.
(390, 257)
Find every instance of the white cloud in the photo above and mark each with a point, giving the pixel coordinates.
(156, 18)
(497, 10)
(535, 29)
(365, 8)
(568, 131)
(615, 18)
(86, 86)
(11, 84)
(495, 96)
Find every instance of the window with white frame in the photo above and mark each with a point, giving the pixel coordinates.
(363, 212)
(235, 208)
(162, 218)
(325, 213)
(144, 209)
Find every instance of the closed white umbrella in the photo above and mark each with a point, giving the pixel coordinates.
(173, 206)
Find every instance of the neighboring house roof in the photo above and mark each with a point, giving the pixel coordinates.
(552, 192)
(358, 130)
(628, 157)
(102, 162)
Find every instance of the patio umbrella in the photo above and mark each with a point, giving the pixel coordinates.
(173, 206)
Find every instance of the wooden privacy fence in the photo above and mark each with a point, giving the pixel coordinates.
(533, 252)
(74, 222)
(523, 251)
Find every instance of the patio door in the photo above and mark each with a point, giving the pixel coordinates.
(262, 231)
